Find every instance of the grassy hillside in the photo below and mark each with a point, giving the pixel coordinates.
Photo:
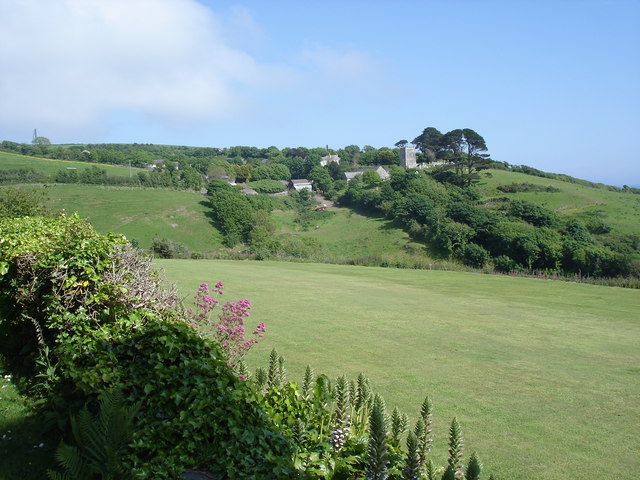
(348, 234)
(140, 214)
(12, 161)
(620, 210)
(542, 375)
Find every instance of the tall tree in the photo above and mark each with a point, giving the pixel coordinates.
(475, 160)
(452, 144)
(429, 142)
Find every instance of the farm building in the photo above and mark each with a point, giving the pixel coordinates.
(300, 184)
(384, 175)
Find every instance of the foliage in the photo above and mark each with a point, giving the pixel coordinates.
(100, 441)
(165, 248)
(234, 214)
(526, 187)
(268, 186)
(228, 328)
(22, 203)
(71, 290)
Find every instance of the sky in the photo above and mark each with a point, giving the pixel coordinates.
(550, 84)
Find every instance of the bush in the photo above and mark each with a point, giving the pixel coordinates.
(165, 248)
(473, 255)
(504, 264)
(85, 313)
(268, 186)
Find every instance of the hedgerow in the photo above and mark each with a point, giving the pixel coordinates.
(79, 315)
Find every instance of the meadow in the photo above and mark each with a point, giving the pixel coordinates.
(618, 209)
(140, 214)
(543, 375)
(12, 161)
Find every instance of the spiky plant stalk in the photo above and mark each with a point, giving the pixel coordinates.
(474, 468)
(243, 371)
(260, 377)
(377, 449)
(299, 433)
(411, 470)
(398, 426)
(273, 374)
(426, 412)
(282, 372)
(455, 450)
(420, 432)
(361, 402)
(307, 384)
(341, 424)
(430, 470)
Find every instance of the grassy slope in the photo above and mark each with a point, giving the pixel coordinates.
(346, 233)
(141, 214)
(620, 210)
(11, 161)
(542, 375)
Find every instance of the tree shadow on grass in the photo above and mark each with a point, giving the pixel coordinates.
(21, 456)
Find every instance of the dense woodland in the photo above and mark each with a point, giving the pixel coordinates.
(438, 205)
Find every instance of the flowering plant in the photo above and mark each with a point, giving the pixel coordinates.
(228, 327)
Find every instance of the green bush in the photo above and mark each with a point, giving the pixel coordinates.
(268, 186)
(473, 255)
(85, 313)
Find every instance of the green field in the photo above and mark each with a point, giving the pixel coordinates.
(140, 214)
(12, 161)
(620, 210)
(543, 375)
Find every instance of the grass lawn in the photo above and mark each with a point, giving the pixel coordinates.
(543, 375)
(12, 161)
(620, 210)
(140, 214)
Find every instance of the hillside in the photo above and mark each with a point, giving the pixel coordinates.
(620, 210)
(412, 221)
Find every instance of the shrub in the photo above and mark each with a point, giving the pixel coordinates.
(268, 186)
(165, 248)
(473, 255)
(22, 203)
(77, 311)
(504, 264)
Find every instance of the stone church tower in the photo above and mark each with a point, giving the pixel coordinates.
(408, 157)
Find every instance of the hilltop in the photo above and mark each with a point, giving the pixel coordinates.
(423, 220)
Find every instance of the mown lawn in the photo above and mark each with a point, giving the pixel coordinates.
(543, 375)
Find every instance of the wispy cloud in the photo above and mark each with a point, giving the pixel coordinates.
(68, 63)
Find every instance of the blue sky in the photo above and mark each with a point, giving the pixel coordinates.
(551, 84)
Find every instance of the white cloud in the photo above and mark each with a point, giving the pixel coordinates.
(346, 65)
(69, 63)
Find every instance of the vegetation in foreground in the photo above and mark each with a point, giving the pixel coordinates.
(85, 325)
(531, 368)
